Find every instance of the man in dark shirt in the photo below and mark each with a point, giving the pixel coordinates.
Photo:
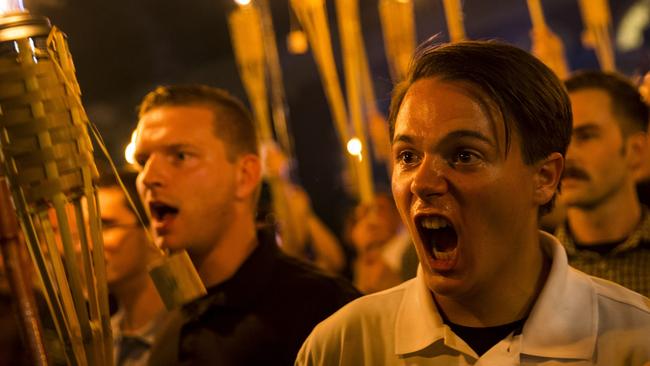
(607, 230)
(200, 177)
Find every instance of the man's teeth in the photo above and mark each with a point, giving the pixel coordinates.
(444, 255)
(434, 223)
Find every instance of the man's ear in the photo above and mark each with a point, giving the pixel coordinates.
(636, 146)
(249, 175)
(547, 177)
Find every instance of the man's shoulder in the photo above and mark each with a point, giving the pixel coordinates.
(621, 299)
(363, 328)
(374, 310)
(292, 277)
(623, 322)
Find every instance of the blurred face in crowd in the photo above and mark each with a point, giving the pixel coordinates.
(187, 181)
(468, 201)
(375, 223)
(598, 158)
(125, 243)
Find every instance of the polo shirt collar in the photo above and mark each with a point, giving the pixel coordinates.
(563, 323)
(418, 323)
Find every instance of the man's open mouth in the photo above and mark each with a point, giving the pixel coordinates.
(161, 211)
(439, 237)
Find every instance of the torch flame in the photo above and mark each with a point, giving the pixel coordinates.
(11, 6)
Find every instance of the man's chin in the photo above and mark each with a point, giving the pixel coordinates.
(444, 285)
(578, 202)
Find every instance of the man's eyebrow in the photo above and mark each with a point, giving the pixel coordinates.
(178, 146)
(454, 135)
(460, 134)
(402, 138)
(587, 127)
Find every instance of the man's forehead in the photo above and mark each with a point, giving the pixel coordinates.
(591, 98)
(591, 106)
(426, 98)
(176, 124)
(190, 108)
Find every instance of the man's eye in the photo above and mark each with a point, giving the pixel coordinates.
(407, 157)
(584, 136)
(179, 156)
(140, 161)
(466, 157)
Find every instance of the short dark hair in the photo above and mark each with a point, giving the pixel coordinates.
(529, 97)
(627, 102)
(128, 177)
(233, 123)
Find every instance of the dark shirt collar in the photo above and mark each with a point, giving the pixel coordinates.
(246, 284)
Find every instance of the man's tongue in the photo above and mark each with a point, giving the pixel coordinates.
(444, 239)
(165, 214)
(443, 243)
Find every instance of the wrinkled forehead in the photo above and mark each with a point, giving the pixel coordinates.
(491, 109)
(497, 121)
(175, 125)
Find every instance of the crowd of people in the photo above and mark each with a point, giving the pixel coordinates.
(448, 267)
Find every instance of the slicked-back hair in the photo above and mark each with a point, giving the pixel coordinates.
(233, 123)
(529, 98)
(626, 101)
(128, 177)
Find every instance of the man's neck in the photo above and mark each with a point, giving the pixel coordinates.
(613, 220)
(508, 300)
(225, 257)
(139, 301)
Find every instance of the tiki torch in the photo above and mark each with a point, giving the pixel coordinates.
(358, 87)
(547, 46)
(46, 156)
(251, 34)
(312, 15)
(455, 22)
(398, 28)
(597, 21)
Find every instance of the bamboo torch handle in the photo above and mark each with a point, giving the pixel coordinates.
(454, 16)
(536, 14)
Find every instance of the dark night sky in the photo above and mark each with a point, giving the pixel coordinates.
(124, 48)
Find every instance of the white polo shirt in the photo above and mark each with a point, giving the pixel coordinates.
(577, 320)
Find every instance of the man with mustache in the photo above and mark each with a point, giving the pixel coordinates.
(607, 230)
(200, 179)
(479, 131)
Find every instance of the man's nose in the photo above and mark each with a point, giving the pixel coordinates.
(153, 173)
(429, 180)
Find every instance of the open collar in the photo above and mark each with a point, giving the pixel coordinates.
(563, 323)
(418, 323)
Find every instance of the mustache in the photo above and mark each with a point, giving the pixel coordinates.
(575, 173)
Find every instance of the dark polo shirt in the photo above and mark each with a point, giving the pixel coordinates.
(260, 316)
